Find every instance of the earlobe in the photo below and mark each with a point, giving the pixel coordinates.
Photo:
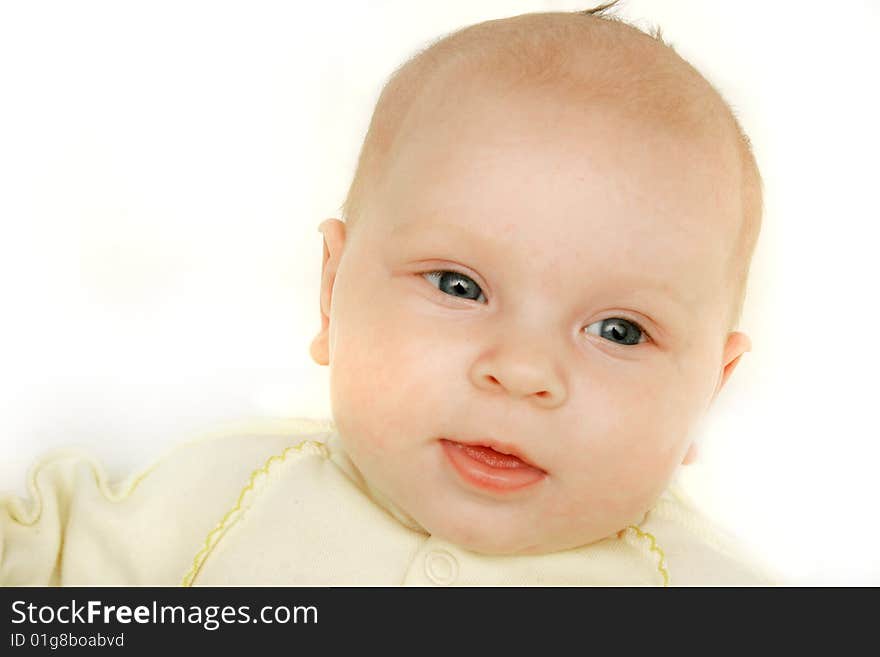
(333, 231)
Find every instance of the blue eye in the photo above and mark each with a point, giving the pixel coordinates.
(618, 330)
(615, 329)
(455, 284)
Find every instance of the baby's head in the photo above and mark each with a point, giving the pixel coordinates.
(545, 253)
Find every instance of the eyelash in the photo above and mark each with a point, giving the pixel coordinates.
(440, 272)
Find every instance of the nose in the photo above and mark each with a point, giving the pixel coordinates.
(524, 371)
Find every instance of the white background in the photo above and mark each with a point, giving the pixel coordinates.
(164, 166)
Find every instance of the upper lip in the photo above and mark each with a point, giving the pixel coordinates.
(498, 446)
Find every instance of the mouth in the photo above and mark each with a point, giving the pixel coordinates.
(491, 466)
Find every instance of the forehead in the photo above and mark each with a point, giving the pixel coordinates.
(578, 183)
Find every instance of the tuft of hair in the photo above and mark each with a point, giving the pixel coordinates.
(554, 49)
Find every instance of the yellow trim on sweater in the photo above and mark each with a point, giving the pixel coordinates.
(226, 522)
(643, 536)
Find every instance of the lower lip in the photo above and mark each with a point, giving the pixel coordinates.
(513, 476)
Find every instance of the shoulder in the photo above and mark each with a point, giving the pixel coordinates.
(212, 478)
(295, 472)
(697, 551)
(198, 481)
(228, 455)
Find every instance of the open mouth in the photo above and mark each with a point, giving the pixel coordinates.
(489, 468)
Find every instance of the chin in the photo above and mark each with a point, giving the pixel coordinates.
(493, 544)
(493, 548)
(501, 546)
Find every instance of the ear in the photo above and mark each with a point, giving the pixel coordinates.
(691, 455)
(334, 242)
(737, 344)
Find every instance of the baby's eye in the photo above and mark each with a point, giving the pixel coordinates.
(455, 284)
(618, 330)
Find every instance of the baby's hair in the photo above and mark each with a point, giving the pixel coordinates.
(541, 50)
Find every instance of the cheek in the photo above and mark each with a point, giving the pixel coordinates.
(635, 423)
(386, 375)
(674, 397)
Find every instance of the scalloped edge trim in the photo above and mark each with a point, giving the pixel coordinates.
(646, 543)
(232, 516)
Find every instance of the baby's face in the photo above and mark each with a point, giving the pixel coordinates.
(547, 280)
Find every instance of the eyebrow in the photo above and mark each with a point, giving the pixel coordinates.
(489, 244)
(416, 228)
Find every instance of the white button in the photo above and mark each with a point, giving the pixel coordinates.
(441, 567)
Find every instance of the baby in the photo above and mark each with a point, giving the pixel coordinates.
(529, 307)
